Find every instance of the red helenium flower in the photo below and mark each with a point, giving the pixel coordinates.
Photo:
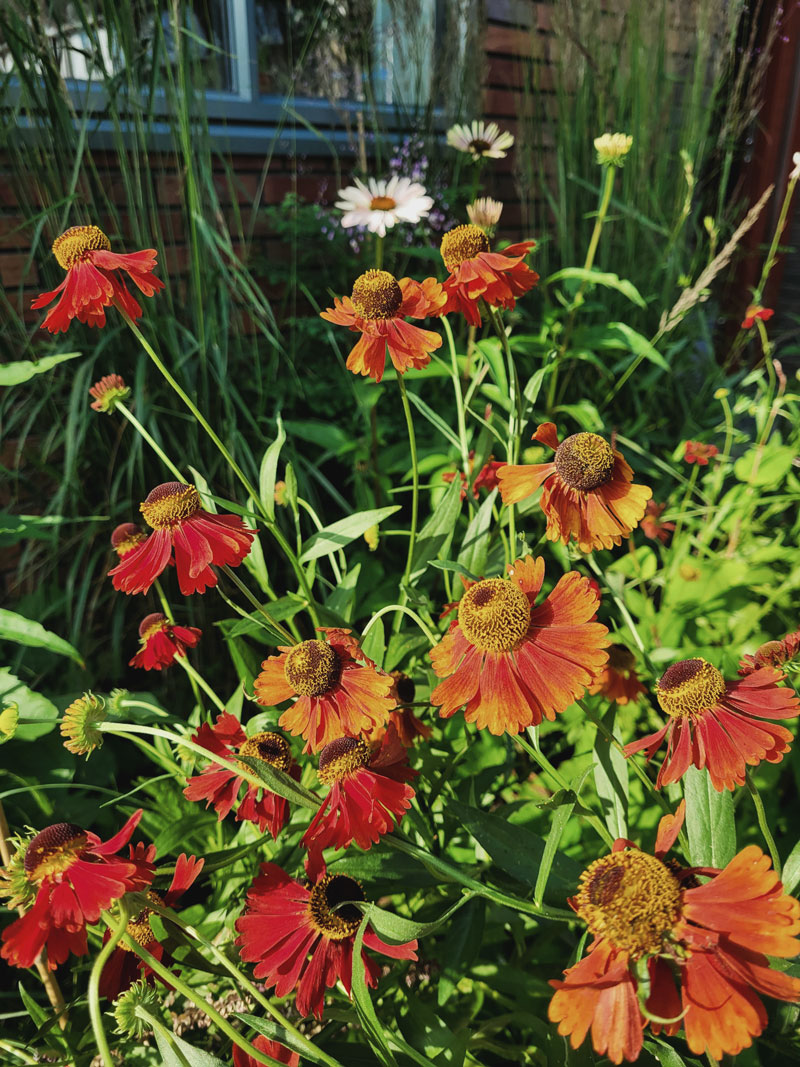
(339, 690)
(198, 538)
(477, 273)
(654, 926)
(652, 526)
(717, 724)
(486, 477)
(78, 876)
(618, 679)
(123, 967)
(771, 654)
(274, 1049)
(367, 793)
(162, 641)
(95, 279)
(285, 923)
(511, 664)
(220, 787)
(700, 453)
(126, 537)
(756, 311)
(588, 492)
(377, 310)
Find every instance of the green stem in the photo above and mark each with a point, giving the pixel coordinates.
(93, 991)
(237, 581)
(769, 263)
(159, 451)
(198, 679)
(514, 418)
(400, 609)
(761, 815)
(412, 444)
(378, 252)
(462, 424)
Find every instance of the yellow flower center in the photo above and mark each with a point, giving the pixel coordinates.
(382, 203)
(312, 668)
(462, 243)
(621, 658)
(342, 758)
(329, 913)
(270, 747)
(169, 504)
(126, 537)
(76, 243)
(54, 850)
(494, 615)
(632, 899)
(151, 624)
(585, 461)
(689, 687)
(139, 928)
(376, 295)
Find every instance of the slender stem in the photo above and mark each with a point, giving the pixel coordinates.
(378, 251)
(514, 418)
(762, 822)
(769, 263)
(237, 581)
(159, 451)
(93, 991)
(687, 496)
(400, 609)
(462, 424)
(412, 444)
(196, 677)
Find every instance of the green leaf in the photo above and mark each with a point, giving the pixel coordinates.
(279, 782)
(435, 420)
(374, 644)
(464, 940)
(790, 876)
(24, 631)
(456, 568)
(611, 777)
(774, 464)
(596, 277)
(342, 599)
(330, 538)
(23, 370)
(475, 546)
(31, 705)
(175, 1052)
(269, 467)
(397, 930)
(557, 827)
(709, 821)
(277, 1033)
(364, 1007)
(436, 535)
(638, 344)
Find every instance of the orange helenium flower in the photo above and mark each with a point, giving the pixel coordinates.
(771, 654)
(618, 680)
(654, 926)
(407, 725)
(107, 392)
(717, 724)
(477, 273)
(339, 690)
(510, 664)
(756, 311)
(588, 491)
(95, 280)
(377, 310)
(126, 537)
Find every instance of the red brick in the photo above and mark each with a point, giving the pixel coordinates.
(14, 269)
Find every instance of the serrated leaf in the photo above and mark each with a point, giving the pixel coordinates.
(709, 821)
(331, 538)
(23, 370)
(267, 473)
(22, 631)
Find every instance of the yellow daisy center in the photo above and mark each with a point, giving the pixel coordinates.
(585, 461)
(342, 758)
(376, 295)
(169, 504)
(54, 850)
(139, 928)
(689, 687)
(382, 203)
(270, 747)
(494, 615)
(329, 913)
(632, 899)
(462, 243)
(126, 537)
(75, 244)
(621, 658)
(312, 668)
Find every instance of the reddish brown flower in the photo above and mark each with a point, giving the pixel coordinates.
(653, 923)
(198, 538)
(95, 279)
(220, 787)
(771, 654)
(718, 725)
(511, 664)
(652, 526)
(123, 966)
(274, 1049)
(107, 392)
(618, 680)
(161, 641)
(700, 453)
(486, 477)
(339, 690)
(78, 876)
(126, 537)
(588, 492)
(284, 924)
(477, 273)
(378, 310)
(756, 311)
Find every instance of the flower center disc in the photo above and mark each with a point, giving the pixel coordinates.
(75, 244)
(462, 243)
(341, 758)
(125, 537)
(329, 894)
(54, 850)
(376, 295)
(494, 615)
(689, 687)
(630, 898)
(312, 668)
(382, 203)
(169, 504)
(139, 928)
(585, 461)
(270, 747)
(151, 624)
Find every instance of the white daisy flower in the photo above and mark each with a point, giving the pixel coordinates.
(482, 140)
(795, 173)
(380, 204)
(485, 212)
